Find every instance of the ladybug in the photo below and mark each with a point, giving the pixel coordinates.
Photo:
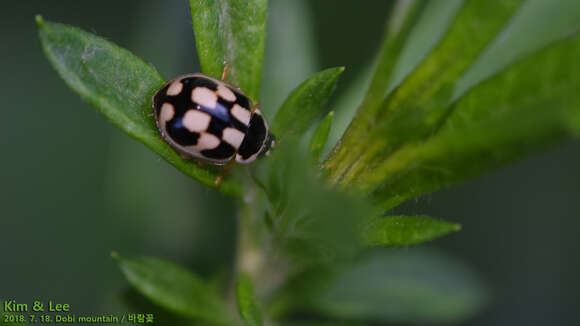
(210, 120)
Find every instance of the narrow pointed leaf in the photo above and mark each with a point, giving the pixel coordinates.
(405, 230)
(537, 24)
(174, 288)
(247, 303)
(305, 104)
(120, 86)
(434, 139)
(388, 286)
(533, 104)
(404, 16)
(318, 141)
(420, 102)
(432, 24)
(414, 27)
(231, 31)
(346, 103)
(408, 19)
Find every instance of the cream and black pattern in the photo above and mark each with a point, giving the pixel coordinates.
(225, 114)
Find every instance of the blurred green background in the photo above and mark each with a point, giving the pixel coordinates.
(74, 188)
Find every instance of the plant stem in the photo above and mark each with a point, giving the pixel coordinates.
(250, 256)
(255, 256)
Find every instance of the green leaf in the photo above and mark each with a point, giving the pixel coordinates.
(479, 113)
(430, 27)
(405, 230)
(120, 86)
(416, 108)
(247, 303)
(318, 141)
(402, 21)
(346, 104)
(305, 103)
(313, 223)
(231, 31)
(174, 288)
(393, 286)
(536, 24)
(533, 104)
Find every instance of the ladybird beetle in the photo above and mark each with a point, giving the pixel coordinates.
(210, 120)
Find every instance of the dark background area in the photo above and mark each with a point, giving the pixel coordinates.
(74, 188)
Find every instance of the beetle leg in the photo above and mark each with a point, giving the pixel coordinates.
(226, 70)
(219, 179)
(185, 156)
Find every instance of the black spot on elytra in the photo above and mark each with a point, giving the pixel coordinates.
(198, 81)
(216, 127)
(243, 101)
(223, 151)
(255, 137)
(218, 113)
(179, 133)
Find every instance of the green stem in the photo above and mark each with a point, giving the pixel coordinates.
(250, 256)
(254, 254)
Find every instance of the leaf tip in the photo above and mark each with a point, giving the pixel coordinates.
(456, 227)
(39, 20)
(337, 70)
